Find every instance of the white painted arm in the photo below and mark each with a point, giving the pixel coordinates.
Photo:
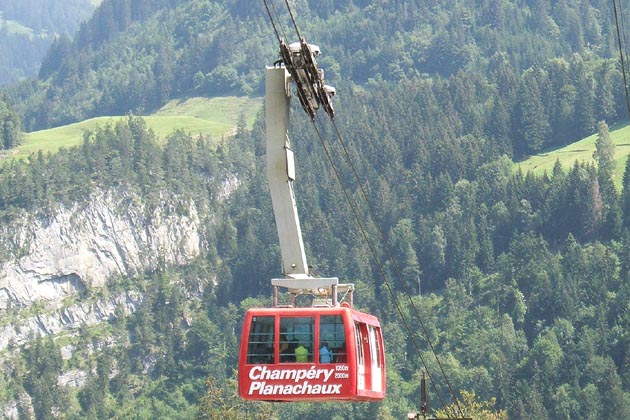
(281, 172)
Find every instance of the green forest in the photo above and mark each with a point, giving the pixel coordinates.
(521, 281)
(29, 27)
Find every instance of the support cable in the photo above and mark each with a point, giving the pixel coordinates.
(622, 20)
(381, 233)
(374, 253)
(623, 65)
(279, 37)
(297, 31)
(273, 24)
(393, 261)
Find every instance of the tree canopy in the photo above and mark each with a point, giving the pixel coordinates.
(522, 280)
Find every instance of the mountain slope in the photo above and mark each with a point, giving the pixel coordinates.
(521, 279)
(140, 55)
(581, 152)
(28, 28)
(215, 118)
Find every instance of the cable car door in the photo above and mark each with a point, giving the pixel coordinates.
(363, 351)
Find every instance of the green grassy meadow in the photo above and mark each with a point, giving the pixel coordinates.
(14, 27)
(219, 117)
(581, 151)
(214, 117)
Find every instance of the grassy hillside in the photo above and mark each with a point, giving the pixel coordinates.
(13, 27)
(581, 151)
(223, 110)
(214, 117)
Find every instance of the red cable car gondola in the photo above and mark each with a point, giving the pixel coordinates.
(298, 354)
(327, 351)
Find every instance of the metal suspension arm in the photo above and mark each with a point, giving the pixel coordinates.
(281, 172)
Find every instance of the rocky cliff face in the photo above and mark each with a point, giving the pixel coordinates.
(71, 317)
(82, 247)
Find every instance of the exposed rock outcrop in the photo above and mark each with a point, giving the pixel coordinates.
(68, 318)
(78, 248)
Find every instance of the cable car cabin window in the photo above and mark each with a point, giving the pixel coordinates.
(296, 339)
(375, 348)
(359, 344)
(261, 333)
(332, 334)
(376, 352)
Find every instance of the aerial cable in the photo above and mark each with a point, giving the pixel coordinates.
(272, 20)
(379, 266)
(622, 24)
(297, 31)
(623, 44)
(374, 219)
(624, 37)
(273, 24)
(394, 264)
(392, 259)
(623, 65)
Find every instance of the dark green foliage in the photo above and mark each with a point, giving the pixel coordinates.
(125, 156)
(515, 301)
(44, 364)
(10, 125)
(523, 279)
(21, 52)
(136, 55)
(531, 121)
(520, 302)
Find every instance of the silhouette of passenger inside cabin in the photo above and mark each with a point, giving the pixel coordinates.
(325, 355)
(301, 354)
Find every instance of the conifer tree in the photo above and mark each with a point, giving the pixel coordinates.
(10, 125)
(625, 195)
(604, 153)
(531, 120)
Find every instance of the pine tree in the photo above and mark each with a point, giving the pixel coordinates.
(625, 195)
(532, 121)
(44, 367)
(604, 153)
(219, 403)
(10, 125)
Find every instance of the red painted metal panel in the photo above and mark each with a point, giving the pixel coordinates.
(264, 376)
